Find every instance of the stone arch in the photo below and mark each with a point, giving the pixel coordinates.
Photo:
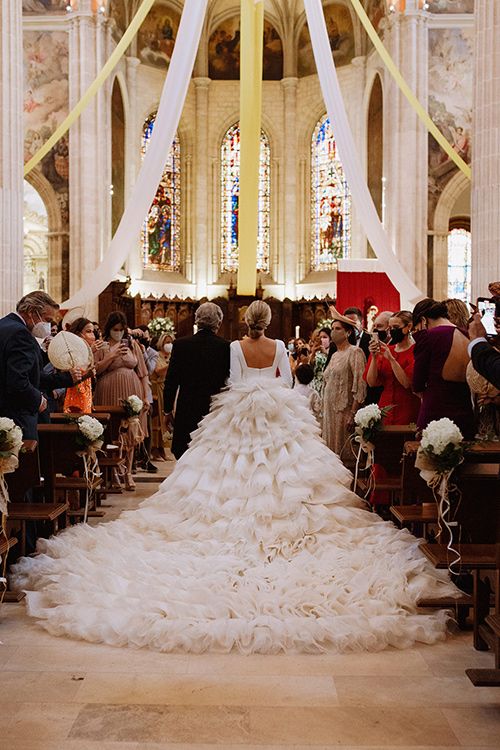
(57, 234)
(458, 184)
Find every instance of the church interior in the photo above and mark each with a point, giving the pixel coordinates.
(436, 208)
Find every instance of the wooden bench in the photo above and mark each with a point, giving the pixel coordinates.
(389, 443)
(55, 513)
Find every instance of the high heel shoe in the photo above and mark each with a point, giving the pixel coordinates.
(129, 483)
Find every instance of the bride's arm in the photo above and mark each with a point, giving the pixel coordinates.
(283, 364)
(235, 371)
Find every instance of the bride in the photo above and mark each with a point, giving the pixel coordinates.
(255, 541)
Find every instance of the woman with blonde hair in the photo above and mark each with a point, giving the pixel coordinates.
(458, 313)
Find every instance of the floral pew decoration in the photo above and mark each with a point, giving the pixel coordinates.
(441, 450)
(89, 439)
(11, 441)
(368, 421)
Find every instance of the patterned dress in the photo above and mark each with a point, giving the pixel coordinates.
(344, 384)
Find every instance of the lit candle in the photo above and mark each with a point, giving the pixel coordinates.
(297, 332)
(195, 328)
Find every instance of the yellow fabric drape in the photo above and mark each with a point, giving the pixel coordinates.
(252, 30)
(408, 93)
(94, 87)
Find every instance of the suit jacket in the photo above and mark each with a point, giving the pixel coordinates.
(21, 381)
(198, 369)
(486, 360)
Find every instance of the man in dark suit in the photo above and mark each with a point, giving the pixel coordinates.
(485, 358)
(21, 362)
(199, 368)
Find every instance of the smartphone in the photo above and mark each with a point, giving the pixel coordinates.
(486, 307)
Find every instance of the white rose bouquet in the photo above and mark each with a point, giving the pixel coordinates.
(90, 432)
(368, 421)
(157, 326)
(11, 440)
(133, 406)
(441, 448)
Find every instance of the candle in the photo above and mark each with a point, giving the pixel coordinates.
(297, 332)
(195, 328)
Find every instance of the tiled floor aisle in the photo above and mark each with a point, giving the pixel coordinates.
(57, 694)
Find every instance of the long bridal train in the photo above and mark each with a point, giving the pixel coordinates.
(254, 542)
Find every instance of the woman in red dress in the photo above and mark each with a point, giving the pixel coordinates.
(392, 368)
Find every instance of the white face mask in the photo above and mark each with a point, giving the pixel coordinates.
(168, 348)
(42, 329)
(116, 335)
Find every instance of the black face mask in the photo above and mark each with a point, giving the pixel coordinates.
(382, 335)
(397, 335)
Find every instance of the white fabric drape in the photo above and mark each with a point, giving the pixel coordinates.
(363, 201)
(169, 112)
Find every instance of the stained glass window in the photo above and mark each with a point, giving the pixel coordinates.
(330, 201)
(459, 264)
(160, 237)
(230, 191)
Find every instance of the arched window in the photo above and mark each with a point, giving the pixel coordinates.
(330, 201)
(230, 192)
(459, 264)
(36, 241)
(160, 237)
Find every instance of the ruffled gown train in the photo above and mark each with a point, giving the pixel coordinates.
(254, 543)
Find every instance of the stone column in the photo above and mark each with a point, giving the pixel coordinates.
(88, 145)
(485, 226)
(133, 140)
(406, 143)
(287, 251)
(11, 155)
(201, 258)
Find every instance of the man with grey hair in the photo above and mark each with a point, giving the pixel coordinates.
(198, 369)
(21, 361)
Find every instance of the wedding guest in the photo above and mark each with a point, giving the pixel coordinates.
(121, 372)
(439, 374)
(319, 355)
(485, 358)
(78, 398)
(345, 389)
(304, 375)
(458, 313)
(160, 429)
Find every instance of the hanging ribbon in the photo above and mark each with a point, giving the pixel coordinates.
(94, 87)
(167, 120)
(407, 92)
(252, 31)
(367, 213)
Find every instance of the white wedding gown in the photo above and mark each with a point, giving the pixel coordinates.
(254, 542)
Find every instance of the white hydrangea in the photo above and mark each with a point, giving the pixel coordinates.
(6, 424)
(439, 434)
(90, 428)
(135, 404)
(368, 416)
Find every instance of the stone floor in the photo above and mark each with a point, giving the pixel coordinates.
(58, 694)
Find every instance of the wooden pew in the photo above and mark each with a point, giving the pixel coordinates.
(389, 443)
(111, 462)
(27, 476)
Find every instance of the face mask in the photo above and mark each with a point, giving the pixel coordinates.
(291, 347)
(382, 335)
(397, 335)
(168, 348)
(116, 335)
(42, 329)
(338, 337)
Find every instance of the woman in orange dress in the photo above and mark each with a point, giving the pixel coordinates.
(121, 372)
(79, 397)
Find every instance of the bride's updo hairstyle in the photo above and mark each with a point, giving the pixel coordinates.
(257, 318)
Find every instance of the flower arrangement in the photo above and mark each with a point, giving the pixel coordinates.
(90, 432)
(324, 323)
(11, 440)
(442, 446)
(133, 406)
(157, 326)
(368, 421)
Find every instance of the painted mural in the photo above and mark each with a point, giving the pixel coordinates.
(451, 6)
(224, 52)
(45, 86)
(450, 92)
(376, 10)
(341, 36)
(41, 6)
(157, 37)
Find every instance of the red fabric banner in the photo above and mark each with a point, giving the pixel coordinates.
(366, 288)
